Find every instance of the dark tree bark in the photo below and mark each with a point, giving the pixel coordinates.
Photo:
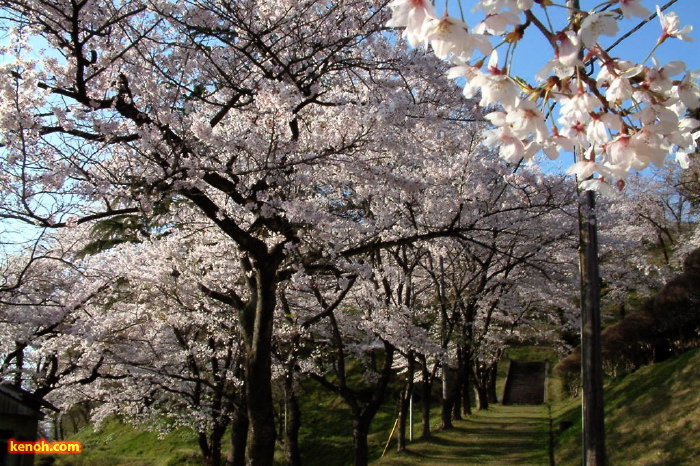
(491, 387)
(292, 451)
(239, 435)
(466, 389)
(258, 370)
(448, 396)
(405, 401)
(426, 394)
(481, 385)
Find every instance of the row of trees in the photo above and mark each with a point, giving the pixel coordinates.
(215, 199)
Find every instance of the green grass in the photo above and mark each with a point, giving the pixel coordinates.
(652, 417)
(119, 444)
(501, 435)
(326, 434)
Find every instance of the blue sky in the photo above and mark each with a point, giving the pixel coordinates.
(534, 51)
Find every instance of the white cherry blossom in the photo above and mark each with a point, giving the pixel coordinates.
(449, 37)
(411, 15)
(579, 107)
(670, 25)
(472, 74)
(510, 147)
(658, 78)
(496, 24)
(596, 25)
(555, 67)
(599, 128)
(526, 119)
(496, 86)
(633, 8)
(688, 90)
(630, 117)
(568, 48)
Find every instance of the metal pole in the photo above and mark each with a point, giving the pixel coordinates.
(410, 418)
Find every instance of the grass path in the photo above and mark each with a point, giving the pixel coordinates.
(502, 435)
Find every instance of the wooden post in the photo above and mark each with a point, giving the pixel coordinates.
(593, 407)
(591, 344)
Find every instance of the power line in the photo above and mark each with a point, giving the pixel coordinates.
(638, 26)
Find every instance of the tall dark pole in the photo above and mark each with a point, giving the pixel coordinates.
(591, 347)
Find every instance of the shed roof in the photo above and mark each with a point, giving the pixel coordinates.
(17, 401)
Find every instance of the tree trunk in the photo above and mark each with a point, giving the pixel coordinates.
(258, 370)
(292, 452)
(458, 387)
(204, 447)
(482, 397)
(447, 396)
(360, 430)
(239, 435)
(491, 383)
(466, 389)
(405, 402)
(425, 398)
(481, 386)
(215, 442)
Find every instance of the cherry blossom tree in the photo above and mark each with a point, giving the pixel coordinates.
(291, 127)
(487, 286)
(43, 316)
(177, 352)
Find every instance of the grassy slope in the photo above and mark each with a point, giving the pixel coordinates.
(652, 417)
(119, 444)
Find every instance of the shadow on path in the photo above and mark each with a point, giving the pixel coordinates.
(503, 435)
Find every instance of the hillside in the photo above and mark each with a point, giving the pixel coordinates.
(652, 417)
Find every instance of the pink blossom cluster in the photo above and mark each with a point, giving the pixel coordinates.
(626, 117)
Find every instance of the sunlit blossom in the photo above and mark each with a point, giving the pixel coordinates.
(633, 8)
(619, 90)
(688, 91)
(670, 23)
(526, 119)
(583, 169)
(598, 129)
(569, 48)
(630, 117)
(411, 15)
(579, 106)
(450, 36)
(472, 74)
(497, 24)
(554, 67)
(600, 186)
(658, 78)
(491, 7)
(683, 159)
(596, 25)
(510, 147)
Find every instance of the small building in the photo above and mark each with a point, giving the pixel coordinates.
(20, 413)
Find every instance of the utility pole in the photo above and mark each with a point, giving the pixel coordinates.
(593, 406)
(591, 346)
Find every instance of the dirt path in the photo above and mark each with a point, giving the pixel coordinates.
(503, 435)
